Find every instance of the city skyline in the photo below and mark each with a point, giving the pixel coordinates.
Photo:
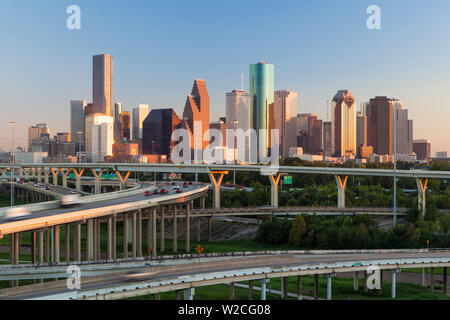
(69, 77)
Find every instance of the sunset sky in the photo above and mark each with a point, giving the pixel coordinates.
(160, 47)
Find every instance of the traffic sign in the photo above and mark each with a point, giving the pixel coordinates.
(287, 179)
(199, 249)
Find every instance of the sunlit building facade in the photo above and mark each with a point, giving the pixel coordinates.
(343, 124)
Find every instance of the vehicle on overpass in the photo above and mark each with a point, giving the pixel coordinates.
(14, 214)
(70, 200)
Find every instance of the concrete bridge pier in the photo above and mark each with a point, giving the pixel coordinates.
(188, 227)
(316, 287)
(67, 242)
(341, 185)
(56, 244)
(356, 280)
(139, 233)
(77, 242)
(189, 294)
(161, 230)
(39, 175)
(216, 186)
(299, 288)
(65, 175)
(153, 224)
(274, 182)
(263, 289)
(97, 188)
(232, 291)
(33, 247)
(78, 175)
(123, 179)
(393, 284)
(41, 247)
(55, 175)
(444, 279)
(329, 277)
(284, 288)
(110, 237)
(174, 225)
(46, 173)
(250, 289)
(421, 192)
(89, 239)
(125, 235)
(134, 236)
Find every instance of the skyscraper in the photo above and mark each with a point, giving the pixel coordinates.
(126, 126)
(196, 109)
(102, 84)
(403, 129)
(77, 123)
(262, 99)
(139, 114)
(117, 122)
(285, 119)
(327, 139)
(361, 131)
(379, 125)
(157, 132)
(343, 124)
(34, 132)
(99, 137)
(238, 110)
(422, 148)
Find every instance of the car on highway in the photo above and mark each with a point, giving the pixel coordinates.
(148, 193)
(163, 191)
(178, 191)
(70, 200)
(12, 214)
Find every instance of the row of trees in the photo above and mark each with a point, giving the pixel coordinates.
(356, 232)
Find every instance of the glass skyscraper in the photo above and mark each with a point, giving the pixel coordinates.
(262, 98)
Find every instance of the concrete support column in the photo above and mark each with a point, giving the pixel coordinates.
(39, 175)
(263, 289)
(188, 228)
(139, 233)
(161, 230)
(284, 287)
(421, 192)
(78, 175)
(67, 243)
(250, 290)
(393, 284)
(77, 242)
(423, 276)
(316, 287)
(89, 239)
(41, 247)
(189, 294)
(56, 244)
(17, 237)
(123, 179)
(366, 289)
(209, 229)
(55, 175)
(47, 245)
(356, 280)
(444, 281)
(216, 186)
(329, 288)
(46, 172)
(174, 221)
(274, 181)
(154, 251)
(380, 291)
(33, 247)
(432, 279)
(299, 288)
(178, 294)
(98, 239)
(110, 238)
(232, 291)
(12, 252)
(97, 189)
(65, 175)
(114, 237)
(341, 185)
(125, 235)
(134, 228)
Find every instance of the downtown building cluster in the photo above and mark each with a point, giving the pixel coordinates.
(102, 131)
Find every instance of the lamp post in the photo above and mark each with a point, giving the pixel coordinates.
(13, 160)
(394, 134)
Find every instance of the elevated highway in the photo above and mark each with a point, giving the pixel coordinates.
(187, 277)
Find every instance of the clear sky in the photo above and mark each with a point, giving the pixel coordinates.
(160, 47)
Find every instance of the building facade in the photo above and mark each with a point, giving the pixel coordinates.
(422, 148)
(262, 101)
(117, 122)
(343, 123)
(126, 126)
(285, 120)
(139, 114)
(77, 123)
(35, 132)
(99, 137)
(102, 84)
(157, 132)
(379, 125)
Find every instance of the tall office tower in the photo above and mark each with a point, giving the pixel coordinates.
(379, 125)
(343, 124)
(63, 137)
(89, 109)
(361, 131)
(327, 139)
(238, 110)
(285, 120)
(157, 132)
(315, 132)
(403, 129)
(363, 106)
(303, 122)
(102, 84)
(196, 109)
(99, 137)
(139, 114)
(34, 132)
(117, 122)
(422, 148)
(222, 126)
(77, 123)
(126, 126)
(262, 100)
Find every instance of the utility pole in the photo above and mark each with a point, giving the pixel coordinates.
(13, 160)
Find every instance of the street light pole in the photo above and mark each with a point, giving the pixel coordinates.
(394, 128)
(13, 160)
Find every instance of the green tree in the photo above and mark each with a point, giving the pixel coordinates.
(298, 230)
